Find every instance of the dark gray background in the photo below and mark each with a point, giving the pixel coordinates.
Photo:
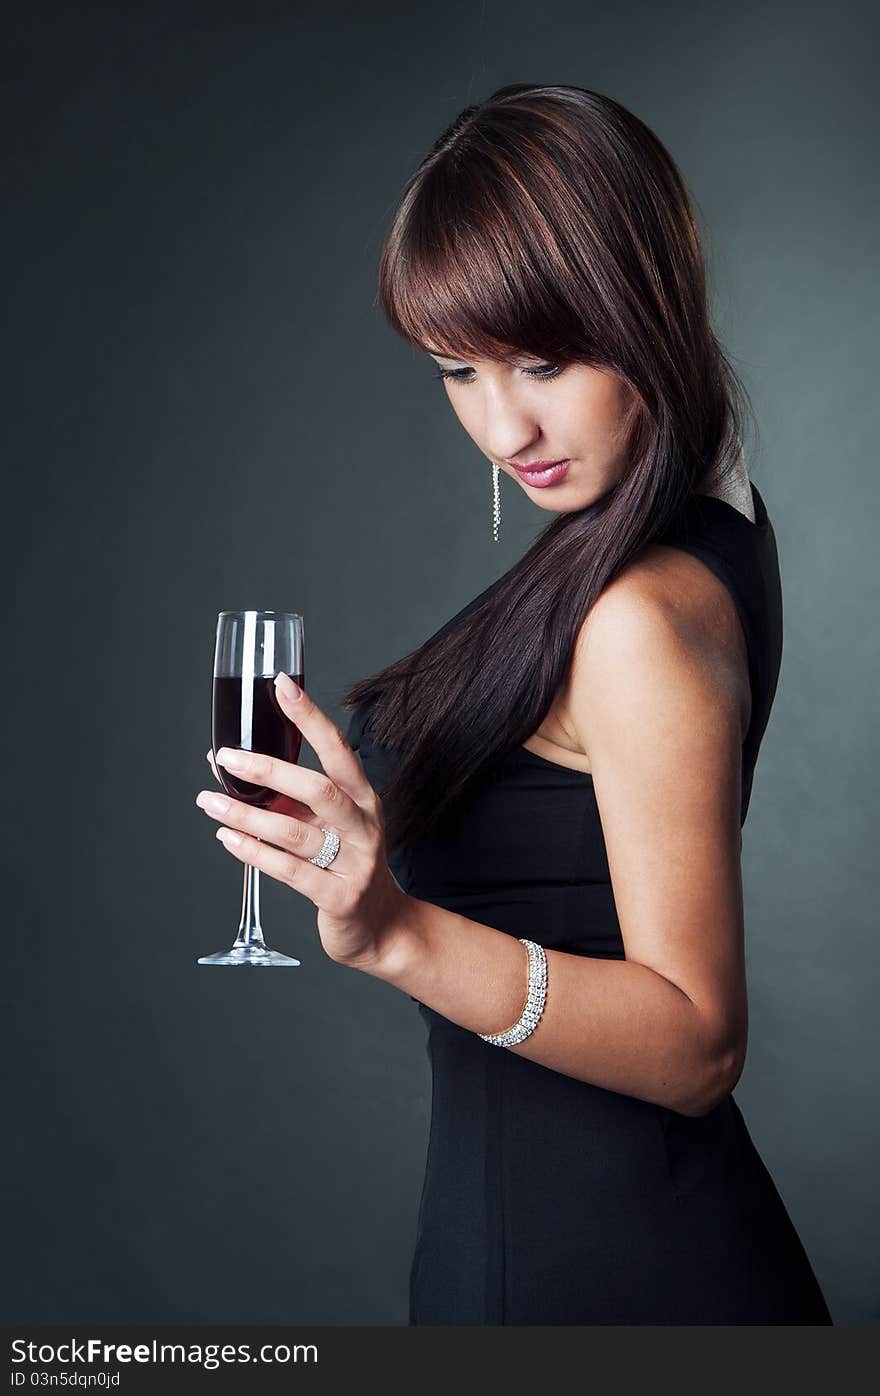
(207, 411)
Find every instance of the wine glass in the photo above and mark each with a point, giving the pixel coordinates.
(251, 648)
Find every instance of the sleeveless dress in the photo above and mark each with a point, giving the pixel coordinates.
(548, 1200)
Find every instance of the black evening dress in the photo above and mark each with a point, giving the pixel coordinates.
(547, 1200)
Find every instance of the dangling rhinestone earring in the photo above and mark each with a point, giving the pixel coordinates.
(496, 503)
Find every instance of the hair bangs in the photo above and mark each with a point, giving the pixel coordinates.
(455, 278)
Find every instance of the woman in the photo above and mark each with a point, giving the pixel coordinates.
(558, 778)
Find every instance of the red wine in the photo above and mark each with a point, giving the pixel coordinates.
(262, 727)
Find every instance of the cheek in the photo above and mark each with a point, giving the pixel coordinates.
(590, 418)
(467, 418)
(575, 419)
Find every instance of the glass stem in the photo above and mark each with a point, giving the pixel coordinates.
(250, 932)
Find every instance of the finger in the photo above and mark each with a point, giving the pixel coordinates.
(326, 889)
(327, 741)
(331, 804)
(289, 834)
(284, 805)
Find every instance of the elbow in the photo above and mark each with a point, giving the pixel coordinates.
(713, 1080)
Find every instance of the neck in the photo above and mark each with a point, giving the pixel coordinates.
(731, 483)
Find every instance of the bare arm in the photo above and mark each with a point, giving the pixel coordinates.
(658, 704)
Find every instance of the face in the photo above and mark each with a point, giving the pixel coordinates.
(525, 411)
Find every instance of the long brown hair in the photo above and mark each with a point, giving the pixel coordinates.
(547, 220)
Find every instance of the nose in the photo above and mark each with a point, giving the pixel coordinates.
(510, 429)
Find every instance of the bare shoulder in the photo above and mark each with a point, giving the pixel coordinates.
(666, 621)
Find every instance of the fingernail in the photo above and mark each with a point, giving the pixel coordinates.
(230, 836)
(217, 804)
(288, 687)
(233, 759)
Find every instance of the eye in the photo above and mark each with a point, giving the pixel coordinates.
(542, 371)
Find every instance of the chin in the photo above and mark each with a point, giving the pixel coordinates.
(556, 507)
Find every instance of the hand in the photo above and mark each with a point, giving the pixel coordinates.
(360, 906)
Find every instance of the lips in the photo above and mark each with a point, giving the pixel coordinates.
(540, 473)
(535, 464)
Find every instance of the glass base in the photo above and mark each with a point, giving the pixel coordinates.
(249, 955)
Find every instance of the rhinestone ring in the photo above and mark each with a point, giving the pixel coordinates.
(328, 851)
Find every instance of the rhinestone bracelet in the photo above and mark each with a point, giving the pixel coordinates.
(535, 999)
